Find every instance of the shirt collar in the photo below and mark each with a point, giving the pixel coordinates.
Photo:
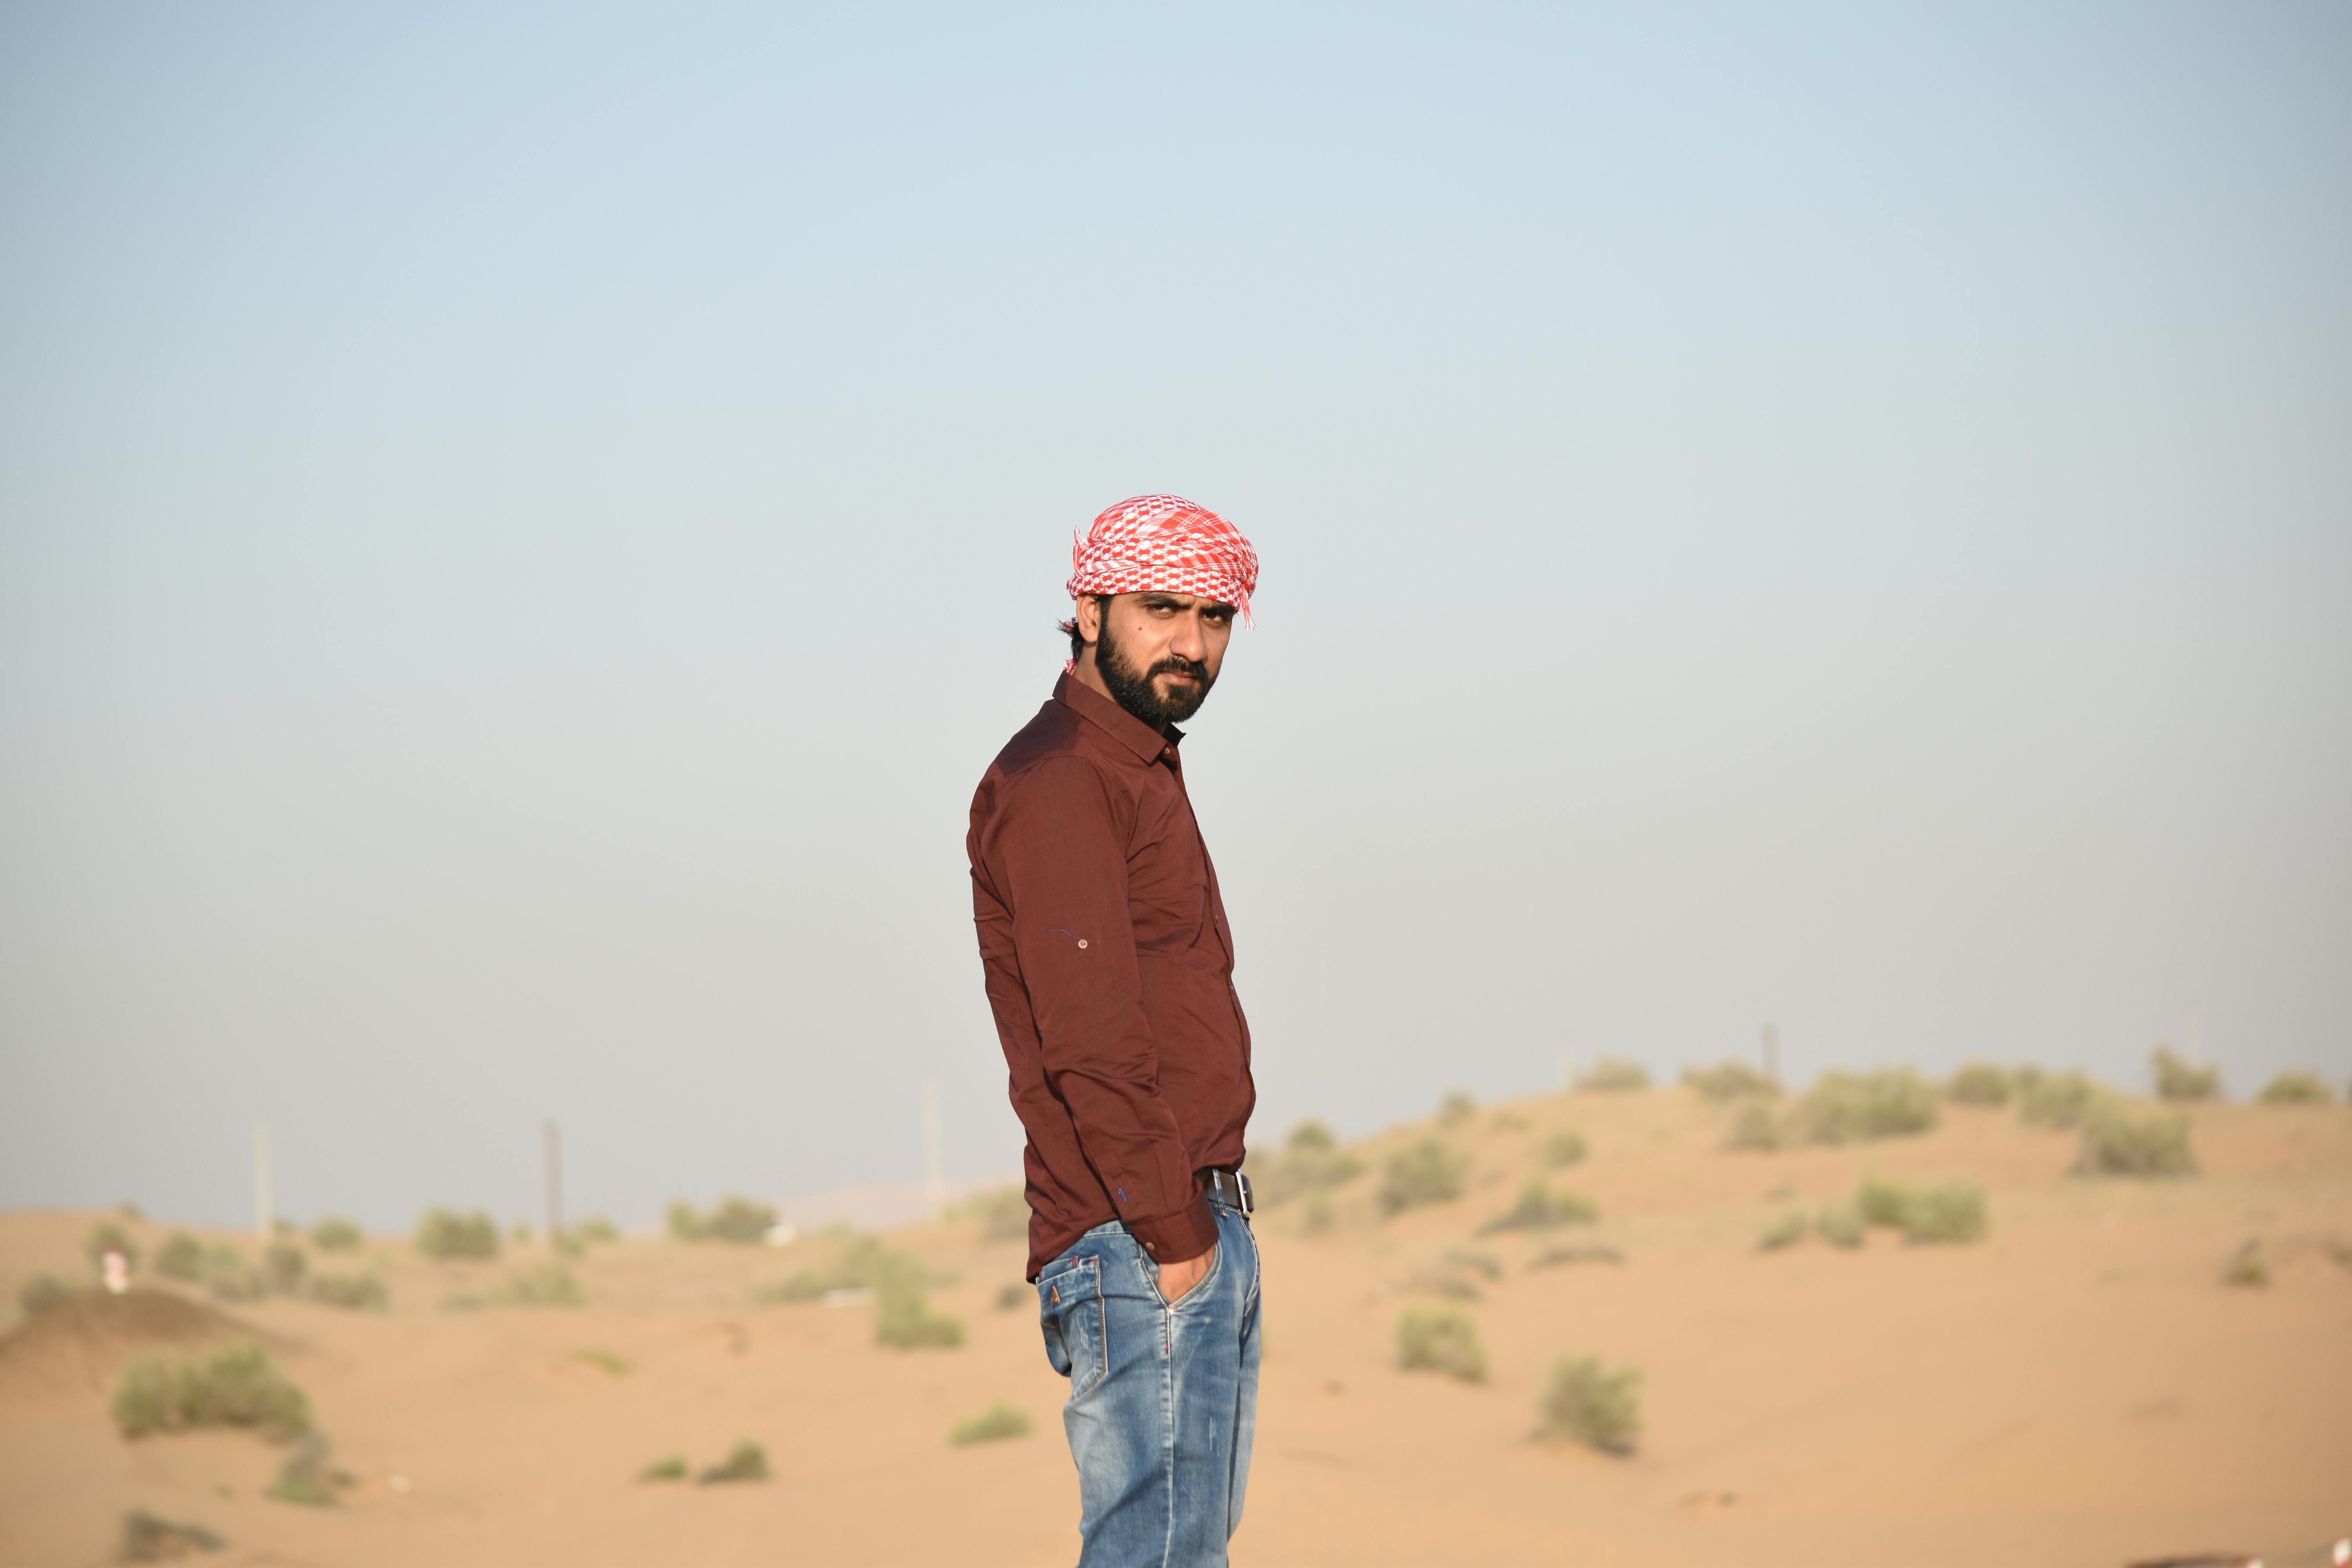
(1122, 726)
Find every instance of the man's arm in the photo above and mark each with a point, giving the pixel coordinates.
(1057, 855)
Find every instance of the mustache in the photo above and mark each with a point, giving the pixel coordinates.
(1176, 665)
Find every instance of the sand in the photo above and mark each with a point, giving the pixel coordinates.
(2079, 1388)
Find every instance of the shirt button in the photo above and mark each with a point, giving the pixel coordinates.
(1082, 942)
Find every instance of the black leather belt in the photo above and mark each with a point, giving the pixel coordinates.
(1230, 1188)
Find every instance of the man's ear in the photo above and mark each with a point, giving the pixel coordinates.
(1090, 615)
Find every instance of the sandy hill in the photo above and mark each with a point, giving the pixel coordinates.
(2079, 1386)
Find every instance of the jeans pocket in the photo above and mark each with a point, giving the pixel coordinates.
(1071, 1316)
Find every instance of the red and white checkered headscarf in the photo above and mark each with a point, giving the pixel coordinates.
(1164, 545)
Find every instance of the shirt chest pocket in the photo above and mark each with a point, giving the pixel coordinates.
(1070, 1312)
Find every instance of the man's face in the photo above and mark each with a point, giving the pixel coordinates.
(1157, 652)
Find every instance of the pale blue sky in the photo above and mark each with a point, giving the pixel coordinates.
(518, 532)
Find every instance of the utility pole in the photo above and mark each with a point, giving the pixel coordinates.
(935, 1175)
(1773, 1052)
(265, 1216)
(552, 1137)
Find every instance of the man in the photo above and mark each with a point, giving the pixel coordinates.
(1109, 969)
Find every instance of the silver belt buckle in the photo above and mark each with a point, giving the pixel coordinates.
(1238, 1185)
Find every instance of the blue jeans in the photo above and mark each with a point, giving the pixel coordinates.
(1162, 1399)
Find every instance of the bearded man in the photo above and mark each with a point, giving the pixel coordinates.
(1109, 969)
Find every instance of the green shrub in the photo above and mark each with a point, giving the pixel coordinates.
(182, 1257)
(1540, 1208)
(2056, 1100)
(1317, 1214)
(1430, 1171)
(108, 1236)
(308, 1476)
(1002, 1214)
(1583, 1404)
(668, 1467)
(2299, 1087)
(359, 1292)
(283, 1264)
(2116, 1144)
(1732, 1079)
(2179, 1078)
(993, 1425)
(1882, 1203)
(545, 1285)
(1440, 1339)
(1457, 1108)
(903, 1318)
(1582, 1252)
(1784, 1232)
(596, 1231)
(334, 1233)
(853, 1268)
(1949, 1213)
(1311, 1137)
(736, 1219)
(444, 1232)
(230, 1276)
(1845, 1108)
(609, 1362)
(1754, 1127)
(2249, 1267)
(43, 1293)
(1613, 1075)
(148, 1538)
(239, 1386)
(1565, 1147)
(1311, 1161)
(1841, 1224)
(1978, 1083)
(747, 1461)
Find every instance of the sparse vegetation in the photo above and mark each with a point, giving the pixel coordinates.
(903, 1318)
(2056, 1100)
(1582, 1252)
(1457, 1108)
(283, 1264)
(2115, 1142)
(2249, 1267)
(1430, 1171)
(43, 1293)
(182, 1257)
(736, 1219)
(1784, 1232)
(1002, 1214)
(1585, 1404)
(308, 1476)
(1564, 1147)
(1732, 1079)
(230, 1275)
(1846, 1108)
(1978, 1083)
(445, 1233)
(597, 1231)
(1753, 1127)
(238, 1387)
(149, 1538)
(994, 1425)
(544, 1285)
(1612, 1075)
(1310, 1161)
(359, 1292)
(1440, 1339)
(668, 1467)
(2297, 1086)
(853, 1268)
(746, 1461)
(605, 1362)
(1841, 1224)
(1946, 1212)
(335, 1234)
(2178, 1079)
(1540, 1208)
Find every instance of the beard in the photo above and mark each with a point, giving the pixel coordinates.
(1134, 691)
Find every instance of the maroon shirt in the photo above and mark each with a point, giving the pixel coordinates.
(1109, 969)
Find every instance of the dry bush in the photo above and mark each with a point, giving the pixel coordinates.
(1841, 1224)
(2178, 1079)
(148, 1538)
(182, 1257)
(445, 1233)
(335, 1234)
(903, 1318)
(1564, 1147)
(1845, 1108)
(43, 1293)
(1946, 1212)
(597, 1230)
(1732, 1079)
(1440, 1339)
(1784, 1232)
(283, 1264)
(1754, 1127)
(1582, 1252)
(2056, 1100)
(994, 1425)
(230, 1275)
(1978, 1083)
(359, 1292)
(543, 1285)
(746, 1461)
(1457, 1108)
(1310, 1161)
(2298, 1086)
(308, 1476)
(2249, 1267)
(854, 1267)
(1583, 1404)
(668, 1467)
(736, 1219)
(2115, 1142)
(1612, 1075)
(1002, 1214)
(1430, 1171)
(1540, 1208)
(239, 1386)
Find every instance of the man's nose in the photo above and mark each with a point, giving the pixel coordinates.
(1189, 642)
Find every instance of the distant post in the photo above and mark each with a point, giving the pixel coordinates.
(935, 1175)
(265, 1217)
(552, 1137)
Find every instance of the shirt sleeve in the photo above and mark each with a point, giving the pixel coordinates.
(1060, 863)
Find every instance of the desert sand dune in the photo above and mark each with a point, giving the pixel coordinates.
(2080, 1388)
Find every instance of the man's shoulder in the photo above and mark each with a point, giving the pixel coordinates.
(1056, 741)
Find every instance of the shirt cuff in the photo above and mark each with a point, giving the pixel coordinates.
(1177, 1237)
